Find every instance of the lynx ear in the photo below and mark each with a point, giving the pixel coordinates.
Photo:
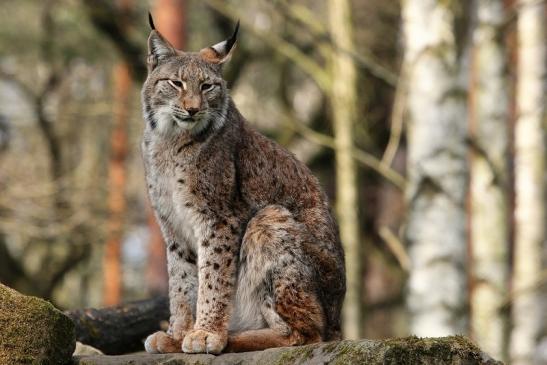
(220, 52)
(159, 48)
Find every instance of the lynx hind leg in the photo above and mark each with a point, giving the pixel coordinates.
(273, 319)
(272, 258)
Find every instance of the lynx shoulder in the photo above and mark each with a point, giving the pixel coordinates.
(254, 258)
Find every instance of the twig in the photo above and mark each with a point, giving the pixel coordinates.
(396, 247)
(361, 156)
(288, 50)
(106, 17)
(397, 118)
(541, 281)
(306, 18)
(11, 78)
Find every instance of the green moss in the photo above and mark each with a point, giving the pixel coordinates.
(414, 350)
(296, 355)
(33, 331)
(346, 353)
(409, 350)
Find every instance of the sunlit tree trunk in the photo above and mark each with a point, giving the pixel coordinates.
(489, 108)
(170, 20)
(117, 181)
(116, 187)
(343, 104)
(436, 165)
(529, 304)
(156, 270)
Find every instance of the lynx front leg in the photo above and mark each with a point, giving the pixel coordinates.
(182, 300)
(217, 277)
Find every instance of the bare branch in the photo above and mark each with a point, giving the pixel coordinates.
(24, 88)
(304, 17)
(109, 20)
(397, 121)
(361, 156)
(396, 247)
(288, 50)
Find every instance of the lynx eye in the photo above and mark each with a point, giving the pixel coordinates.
(207, 87)
(177, 84)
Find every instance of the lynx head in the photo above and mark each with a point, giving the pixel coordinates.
(185, 90)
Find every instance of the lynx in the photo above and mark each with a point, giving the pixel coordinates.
(254, 257)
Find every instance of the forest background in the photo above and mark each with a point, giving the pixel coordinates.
(423, 119)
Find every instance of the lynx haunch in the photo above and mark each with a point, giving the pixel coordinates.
(254, 257)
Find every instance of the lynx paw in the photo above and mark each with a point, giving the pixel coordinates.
(160, 343)
(201, 341)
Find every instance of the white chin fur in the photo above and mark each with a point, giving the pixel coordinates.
(166, 124)
(186, 125)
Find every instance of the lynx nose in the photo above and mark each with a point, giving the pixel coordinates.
(192, 111)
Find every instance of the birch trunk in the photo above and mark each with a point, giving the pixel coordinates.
(529, 305)
(489, 108)
(437, 168)
(343, 104)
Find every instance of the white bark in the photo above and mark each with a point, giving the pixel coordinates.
(343, 102)
(437, 169)
(489, 179)
(529, 305)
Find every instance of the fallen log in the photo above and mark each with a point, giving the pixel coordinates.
(411, 350)
(120, 329)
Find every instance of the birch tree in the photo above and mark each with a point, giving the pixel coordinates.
(489, 178)
(529, 303)
(436, 165)
(343, 104)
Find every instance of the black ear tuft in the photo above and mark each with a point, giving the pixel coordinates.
(151, 21)
(230, 41)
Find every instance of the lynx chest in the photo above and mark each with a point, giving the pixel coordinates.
(169, 178)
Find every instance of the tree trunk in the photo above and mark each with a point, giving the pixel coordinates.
(530, 215)
(117, 182)
(112, 267)
(170, 20)
(436, 165)
(489, 185)
(343, 104)
(120, 329)
(156, 268)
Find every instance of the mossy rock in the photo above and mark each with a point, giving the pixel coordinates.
(33, 331)
(453, 350)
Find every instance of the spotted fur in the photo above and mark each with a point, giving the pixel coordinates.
(254, 257)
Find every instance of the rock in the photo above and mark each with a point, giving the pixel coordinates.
(33, 331)
(86, 350)
(411, 350)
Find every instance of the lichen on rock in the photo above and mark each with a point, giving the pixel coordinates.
(33, 331)
(452, 350)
